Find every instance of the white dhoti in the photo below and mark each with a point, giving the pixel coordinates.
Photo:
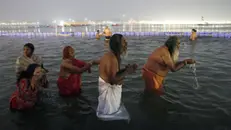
(110, 106)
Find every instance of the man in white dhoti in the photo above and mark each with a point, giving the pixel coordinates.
(110, 81)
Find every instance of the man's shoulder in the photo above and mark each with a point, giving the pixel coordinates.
(108, 57)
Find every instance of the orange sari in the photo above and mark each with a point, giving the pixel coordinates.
(153, 81)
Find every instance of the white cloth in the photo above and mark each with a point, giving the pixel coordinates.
(23, 62)
(110, 106)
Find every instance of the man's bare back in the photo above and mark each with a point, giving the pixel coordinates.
(107, 32)
(193, 36)
(106, 68)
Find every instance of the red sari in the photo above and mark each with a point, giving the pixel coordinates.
(24, 97)
(71, 86)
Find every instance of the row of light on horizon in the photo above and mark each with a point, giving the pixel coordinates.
(62, 22)
(132, 21)
(20, 23)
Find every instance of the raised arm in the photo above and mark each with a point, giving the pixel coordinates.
(74, 69)
(173, 67)
(95, 62)
(23, 94)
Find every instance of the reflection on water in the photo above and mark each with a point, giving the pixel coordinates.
(193, 46)
(193, 66)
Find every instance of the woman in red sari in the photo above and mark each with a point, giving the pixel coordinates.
(26, 94)
(69, 81)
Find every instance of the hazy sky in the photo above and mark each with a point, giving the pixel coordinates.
(114, 9)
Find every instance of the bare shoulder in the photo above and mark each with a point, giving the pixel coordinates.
(107, 57)
(157, 52)
(166, 56)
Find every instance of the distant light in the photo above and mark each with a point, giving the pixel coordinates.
(61, 23)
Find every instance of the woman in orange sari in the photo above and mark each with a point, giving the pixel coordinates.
(69, 81)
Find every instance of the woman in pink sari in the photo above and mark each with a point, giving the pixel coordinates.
(26, 94)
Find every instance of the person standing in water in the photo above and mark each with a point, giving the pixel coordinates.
(28, 58)
(193, 36)
(107, 33)
(26, 95)
(160, 62)
(98, 35)
(69, 81)
(111, 78)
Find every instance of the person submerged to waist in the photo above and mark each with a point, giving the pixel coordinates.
(152, 71)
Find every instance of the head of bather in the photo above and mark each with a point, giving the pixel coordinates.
(28, 49)
(68, 52)
(173, 45)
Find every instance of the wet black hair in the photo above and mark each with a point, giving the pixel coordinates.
(31, 46)
(28, 73)
(171, 43)
(115, 44)
(97, 30)
(194, 30)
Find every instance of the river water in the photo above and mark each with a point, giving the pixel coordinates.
(182, 107)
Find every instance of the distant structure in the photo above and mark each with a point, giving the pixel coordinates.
(202, 19)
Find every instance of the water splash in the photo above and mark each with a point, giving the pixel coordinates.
(193, 68)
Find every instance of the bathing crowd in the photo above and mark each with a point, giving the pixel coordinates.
(31, 75)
